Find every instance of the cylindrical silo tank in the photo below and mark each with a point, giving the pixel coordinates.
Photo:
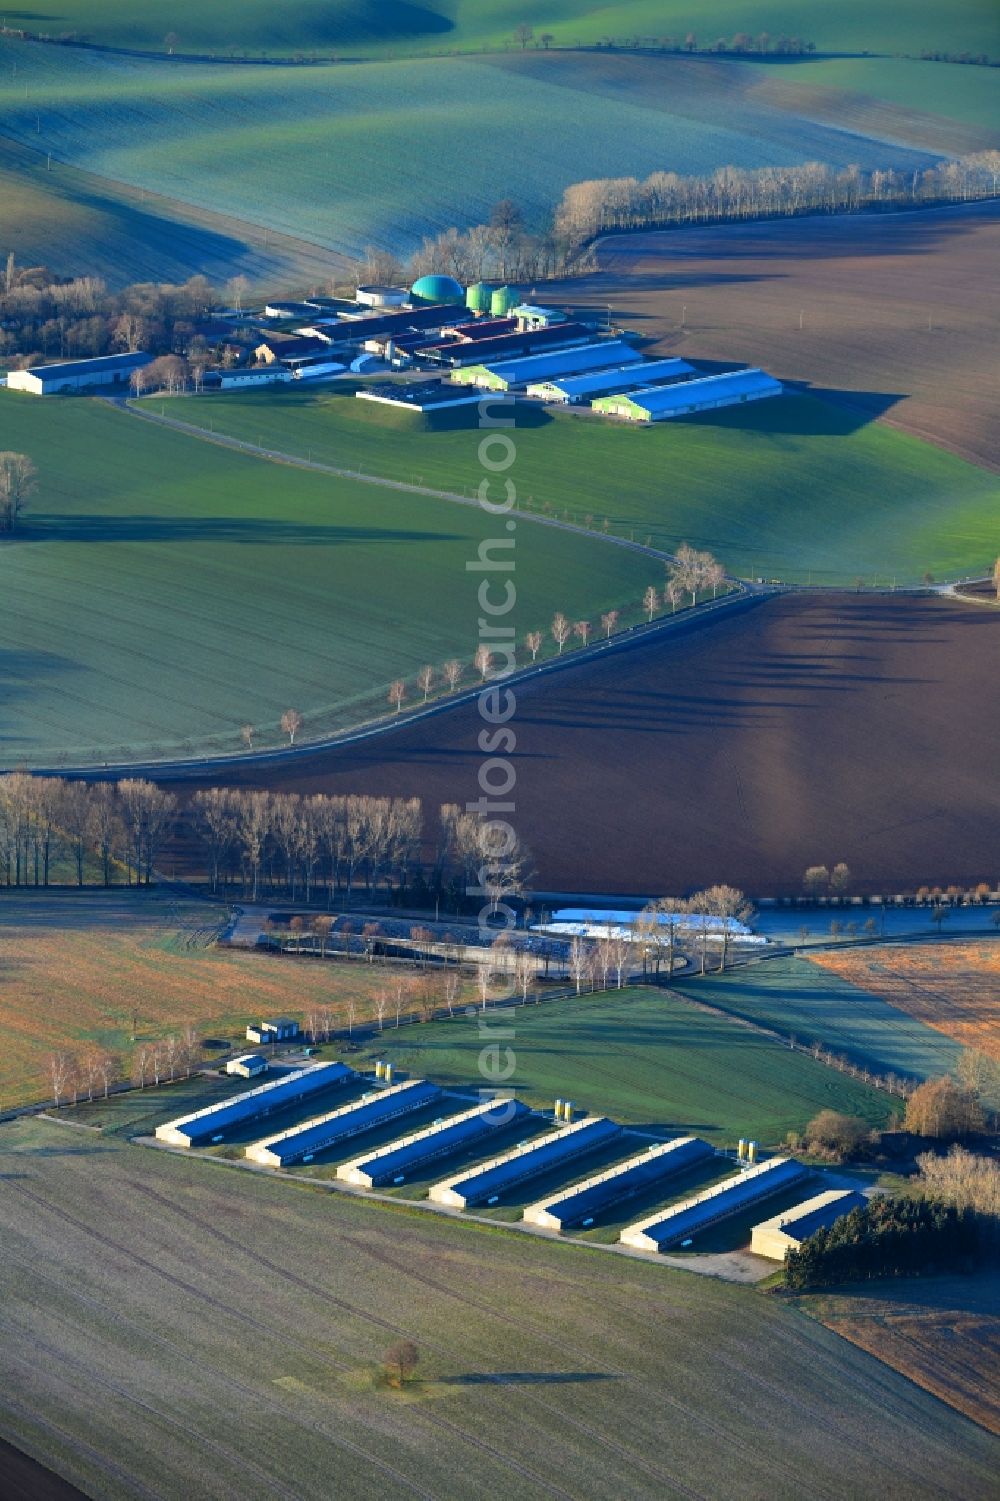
(741, 1150)
(477, 297)
(379, 1069)
(557, 1112)
(387, 1073)
(751, 1151)
(502, 300)
(567, 1114)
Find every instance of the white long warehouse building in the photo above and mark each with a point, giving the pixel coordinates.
(571, 389)
(505, 375)
(706, 394)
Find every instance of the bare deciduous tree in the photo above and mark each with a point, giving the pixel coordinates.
(580, 962)
(452, 671)
(582, 629)
(730, 906)
(483, 661)
(426, 680)
(609, 620)
(560, 630)
(400, 1361)
(291, 723)
(397, 693)
(18, 482)
(650, 601)
(60, 1074)
(533, 641)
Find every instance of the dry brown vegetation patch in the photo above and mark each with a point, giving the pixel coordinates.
(62, 990)
(954, 987)
(944, 1335)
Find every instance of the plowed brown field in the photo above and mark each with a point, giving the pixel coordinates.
(898, 315)
(803, 729)
(944, 1334)
(954, 987)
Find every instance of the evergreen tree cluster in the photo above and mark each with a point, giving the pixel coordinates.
(889, 1237)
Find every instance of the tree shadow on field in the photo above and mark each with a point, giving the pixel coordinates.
(525, 1378)
(233, 529)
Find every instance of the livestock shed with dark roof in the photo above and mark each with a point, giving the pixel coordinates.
(510, 346)
(211, 1123)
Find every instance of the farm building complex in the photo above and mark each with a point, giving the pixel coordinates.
(479, 338)
(576, 1203)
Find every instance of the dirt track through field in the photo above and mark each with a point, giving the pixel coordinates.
(800, 730)
(900, 312)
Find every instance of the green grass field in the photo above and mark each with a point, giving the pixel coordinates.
(163, 591)
(813, 1005)
(368, 26)
(782, 488)
(644, 1057)
(177, 1329)
(969, 96)
(379, 153)
(75, 222)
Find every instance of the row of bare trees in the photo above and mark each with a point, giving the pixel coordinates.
(91, 1072)
(48, 821)
(273, 842)
(502, 249)
(606, 204)
(266, 842)
(691, 574)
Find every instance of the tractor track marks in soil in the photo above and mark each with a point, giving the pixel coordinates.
(239, 1314)
(353, 1310)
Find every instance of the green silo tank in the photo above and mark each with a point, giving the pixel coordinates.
(477, 298)
(503, 299)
